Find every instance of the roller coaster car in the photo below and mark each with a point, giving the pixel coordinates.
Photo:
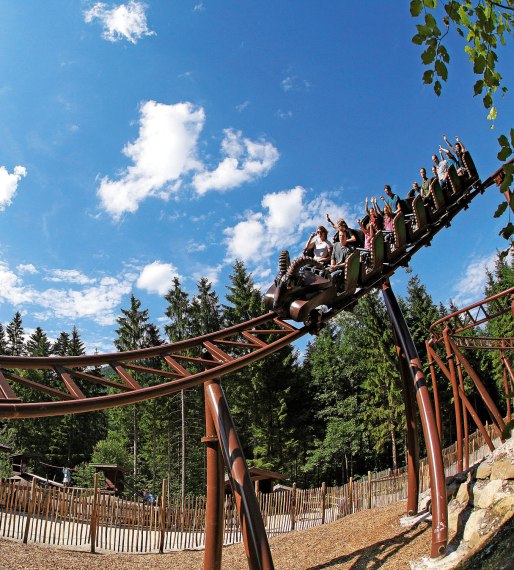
(305, 284)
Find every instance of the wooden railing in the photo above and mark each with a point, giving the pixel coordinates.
(70, 517)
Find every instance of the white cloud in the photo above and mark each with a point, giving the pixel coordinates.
(284, 222)
(284, 114)
(69, 276)
(210, 272)
(162, 153)
(122, 22)
(26, 268)
(245, 160)
(99, 302)
(470, 287)
(157, 277)
(9, 184)
(166, 151)
(242, 106)
(294, 83)
(193, 246)
(12, 289)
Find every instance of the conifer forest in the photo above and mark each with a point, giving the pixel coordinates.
(332, 413)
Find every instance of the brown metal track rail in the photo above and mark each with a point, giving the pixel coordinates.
(173, 367)
(177, 366)
(473, 316)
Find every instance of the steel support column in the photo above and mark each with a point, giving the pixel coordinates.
(507, 381)
(433, 444)
(464, 417)
(215, 492)
(254, 534)
(456, 399)
(436, 391)
(409, 399)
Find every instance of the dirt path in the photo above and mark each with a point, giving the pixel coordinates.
(369, 539)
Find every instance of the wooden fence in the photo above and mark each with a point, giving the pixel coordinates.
(89, 518)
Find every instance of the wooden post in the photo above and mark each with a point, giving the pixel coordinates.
(350, 495)
(162, 517)
(369, 490)
(293, 507)
(30, 510)
(323, 501)
(93, 524)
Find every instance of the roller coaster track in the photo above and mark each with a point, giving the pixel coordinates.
(185, 364)
(473, 316)
(306, 293)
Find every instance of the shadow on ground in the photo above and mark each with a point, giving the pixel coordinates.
(375, 555)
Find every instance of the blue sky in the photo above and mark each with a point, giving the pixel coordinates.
(139, 141)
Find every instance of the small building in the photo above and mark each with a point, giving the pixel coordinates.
(114, 477)
(262, 479)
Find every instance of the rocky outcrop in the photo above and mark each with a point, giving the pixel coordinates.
(481, 501)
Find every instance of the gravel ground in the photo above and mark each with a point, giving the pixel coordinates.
(369, 539)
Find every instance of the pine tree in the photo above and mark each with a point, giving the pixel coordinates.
(244, 298)
(205, 309)
(15, 344)
(178, 312)
(420, 313)
(134, 332)
(3, 342)
(500, 279)
(38, 343)
(75, 346)
(60, 346)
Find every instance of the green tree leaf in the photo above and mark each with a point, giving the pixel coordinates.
(415, 7)
(428, 76)
(488, 100)
(501, 209)
(428, 55)
(479, 86)
(507, 231)
(441, 70)
(504, 153)
(479, 64)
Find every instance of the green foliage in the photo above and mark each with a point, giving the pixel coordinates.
(507, 432)
(112, 450)
(338, 413)
(15, 345)
(84, 475)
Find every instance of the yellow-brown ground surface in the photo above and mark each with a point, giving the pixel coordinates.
(369, 539)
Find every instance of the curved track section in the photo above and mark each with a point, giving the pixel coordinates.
(63, 385)
(473, 316)
(171, 367)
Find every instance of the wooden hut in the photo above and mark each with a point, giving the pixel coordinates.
(114, 476)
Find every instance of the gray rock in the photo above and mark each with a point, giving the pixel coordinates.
(503, 469)
(490, 494)
(484, 470)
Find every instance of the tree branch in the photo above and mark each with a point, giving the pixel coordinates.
(499, 5)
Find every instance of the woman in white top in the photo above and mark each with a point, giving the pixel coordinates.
(318, 246)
